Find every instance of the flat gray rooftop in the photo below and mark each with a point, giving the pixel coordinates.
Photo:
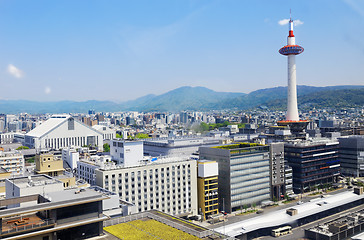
(36, 180)
(57, 200)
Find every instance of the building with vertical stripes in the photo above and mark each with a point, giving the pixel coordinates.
(61, 131)
(244, 176)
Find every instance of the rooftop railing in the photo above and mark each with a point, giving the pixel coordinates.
(27, 227)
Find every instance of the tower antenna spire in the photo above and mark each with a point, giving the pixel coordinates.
(290, 15)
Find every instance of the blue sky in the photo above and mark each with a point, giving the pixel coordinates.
(121, 50)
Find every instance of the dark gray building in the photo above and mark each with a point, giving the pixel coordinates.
(351, 155)
(277, 171)
(315, 163)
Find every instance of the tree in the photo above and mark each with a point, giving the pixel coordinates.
(245, 207)
(22, 147)
(106, 147)
(204, 127)
(286, 196)
(119, 135)
(254, 205)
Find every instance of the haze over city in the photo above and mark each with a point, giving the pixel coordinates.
(121, 50)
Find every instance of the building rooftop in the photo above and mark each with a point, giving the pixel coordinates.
(280, 217)
(149, 161)
(34, 180)
(177, 142)
(58, 199)
(348, 221)
(239, 146)
(311, 142)
(48, 125)
(10, 154)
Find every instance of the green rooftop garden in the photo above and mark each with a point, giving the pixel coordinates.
(238, 145)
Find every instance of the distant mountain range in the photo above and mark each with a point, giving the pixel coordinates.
(201, 99)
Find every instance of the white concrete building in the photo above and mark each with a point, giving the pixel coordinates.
(71, 156)
(107, 133)
(12, 161)
(86, 167)
(6, 138)
(168, 185)
(36, 184)
(61, 131)
(127, 153)
(114, 206)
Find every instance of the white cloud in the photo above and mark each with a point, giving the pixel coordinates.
(47, 90)
(286, 21)
(283, 22)
(14, 71)
(297, 22)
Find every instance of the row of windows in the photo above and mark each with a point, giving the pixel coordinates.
(249, 159)
(151, 187)
(158, 173)
(250, 189)
(250, 171)
(250, 200)
(243, 178)
(56, 143)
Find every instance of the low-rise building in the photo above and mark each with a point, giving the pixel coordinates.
(12, 161)
(126, 153)
(63, 214)
(71, 157)
(176, 146)
(107, 133)
(86, 167)
(26, 186)
(53, 167)
(61, 131)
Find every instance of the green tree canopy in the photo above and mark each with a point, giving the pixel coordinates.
(106, 147)
(22, 147)
(141, 136)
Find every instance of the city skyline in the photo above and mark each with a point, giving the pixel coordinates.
(121, 51)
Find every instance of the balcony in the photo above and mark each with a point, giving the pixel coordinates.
(24, 224)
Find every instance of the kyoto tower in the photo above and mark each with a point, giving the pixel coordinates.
(291, 50)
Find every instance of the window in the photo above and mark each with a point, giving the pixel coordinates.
(71, 124)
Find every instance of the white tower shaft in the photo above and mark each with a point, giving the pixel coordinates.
(292, 109)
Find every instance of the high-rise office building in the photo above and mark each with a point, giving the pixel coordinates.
(314, 162)
(351, 155)
(244, 176)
